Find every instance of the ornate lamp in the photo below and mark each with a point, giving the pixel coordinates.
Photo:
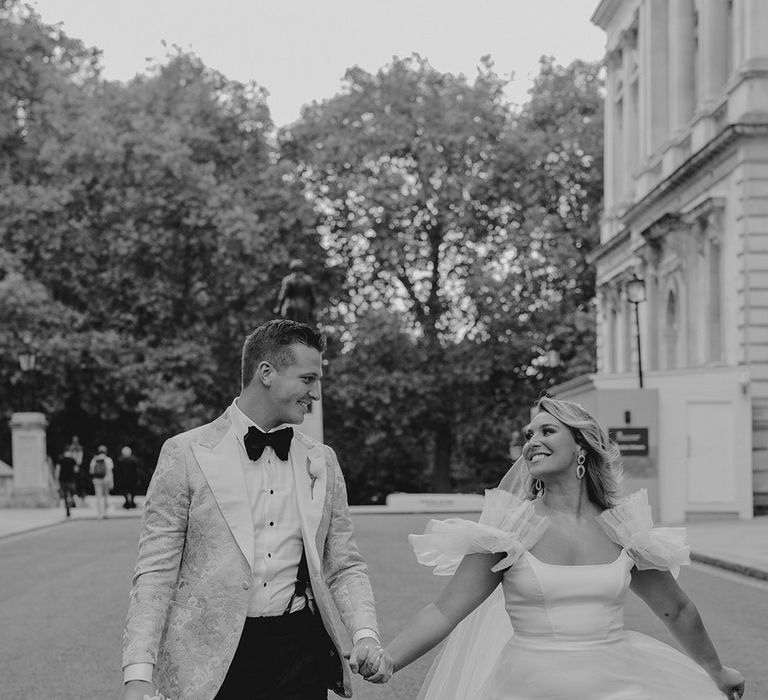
(27, 360)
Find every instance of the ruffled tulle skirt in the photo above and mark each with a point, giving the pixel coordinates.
(483, 660)
(631, 667)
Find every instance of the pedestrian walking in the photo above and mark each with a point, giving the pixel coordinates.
(81, 474)
(102, 470)
(127, 476)
(65, 476)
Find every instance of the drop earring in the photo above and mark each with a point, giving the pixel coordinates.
(580, 468)
(539, 486)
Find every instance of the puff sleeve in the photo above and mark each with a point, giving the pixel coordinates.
(630, 525)
(507, 524)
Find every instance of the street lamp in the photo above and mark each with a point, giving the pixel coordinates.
(636, 294)
(27, 362)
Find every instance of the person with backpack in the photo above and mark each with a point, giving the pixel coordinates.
(101, 469)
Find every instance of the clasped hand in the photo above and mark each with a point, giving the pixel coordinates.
(371, 661)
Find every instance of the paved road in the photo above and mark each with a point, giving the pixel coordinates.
(63, 598)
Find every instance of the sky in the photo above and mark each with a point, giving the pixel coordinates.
(299, 50)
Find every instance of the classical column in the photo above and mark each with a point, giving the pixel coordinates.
(631, 107)
(612, 148)
(755, 27)
(682, 69)
(712, 59)
(655, 62)
(651, 256)
(33, 484)
(603, 331)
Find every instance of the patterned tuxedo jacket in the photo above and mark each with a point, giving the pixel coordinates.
(192, 582)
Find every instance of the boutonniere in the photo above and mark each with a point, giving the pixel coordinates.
(315, 467)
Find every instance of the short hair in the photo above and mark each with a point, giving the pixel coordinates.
(604, 472)
(271, 342)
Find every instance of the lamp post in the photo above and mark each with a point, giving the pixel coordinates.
(27, 362)
(636, 294)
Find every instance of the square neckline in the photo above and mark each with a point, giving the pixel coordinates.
(622, 553)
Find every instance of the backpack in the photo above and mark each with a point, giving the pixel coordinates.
(99, 467)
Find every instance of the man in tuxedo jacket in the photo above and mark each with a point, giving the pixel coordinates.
(247, 550)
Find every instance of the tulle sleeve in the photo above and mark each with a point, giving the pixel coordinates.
(630, 525)
(507, 524)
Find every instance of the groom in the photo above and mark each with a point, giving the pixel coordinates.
(247, 547)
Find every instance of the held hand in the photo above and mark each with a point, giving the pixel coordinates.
(361, 655)
(385, 671)
(731, 682)
(136, 690)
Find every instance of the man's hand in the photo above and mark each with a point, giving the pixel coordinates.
(384, 671)
(363, 657)
(136, 690)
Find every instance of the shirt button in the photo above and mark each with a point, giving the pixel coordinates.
(246, 585)
(269, 555)
(271, 491)
(271, 523)
(265, 584)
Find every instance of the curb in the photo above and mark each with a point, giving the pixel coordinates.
(32, 528)
(742, 569)
(63, 520)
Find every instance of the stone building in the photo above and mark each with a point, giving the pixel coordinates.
(686, 211)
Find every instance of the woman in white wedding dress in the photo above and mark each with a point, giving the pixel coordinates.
(565, 555)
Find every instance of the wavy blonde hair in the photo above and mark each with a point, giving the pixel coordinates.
(604, 473)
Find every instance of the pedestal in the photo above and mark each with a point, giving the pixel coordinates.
(33, 485)
(313, 421)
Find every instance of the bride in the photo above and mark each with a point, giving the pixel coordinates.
(565, 555)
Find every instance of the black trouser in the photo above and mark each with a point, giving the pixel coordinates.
(67, 490)
(279, 658)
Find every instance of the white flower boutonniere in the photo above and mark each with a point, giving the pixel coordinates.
(315, 467)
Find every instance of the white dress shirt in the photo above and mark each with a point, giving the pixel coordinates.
(276, 524)
(277, 535)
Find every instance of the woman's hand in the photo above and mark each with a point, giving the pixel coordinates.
(730, 681)
(384, 671)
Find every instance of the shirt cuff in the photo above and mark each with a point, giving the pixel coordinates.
(138, 672)
(364, 632)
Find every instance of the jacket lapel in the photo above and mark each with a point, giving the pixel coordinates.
(308, 460)
(222, 468)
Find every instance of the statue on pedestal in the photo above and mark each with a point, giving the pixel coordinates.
(296, 299)
(296, 302)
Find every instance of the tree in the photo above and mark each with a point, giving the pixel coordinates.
(397, 165)
(428, 191)
(156, 215)
(373, 401)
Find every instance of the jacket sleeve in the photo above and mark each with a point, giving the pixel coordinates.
(161, 543)
(343, 568)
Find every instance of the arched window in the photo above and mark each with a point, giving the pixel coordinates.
(670, 330)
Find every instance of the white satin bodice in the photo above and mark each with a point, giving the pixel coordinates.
(548, 602)
(569, 641)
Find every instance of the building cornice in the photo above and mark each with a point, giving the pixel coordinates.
(611, 244)
(727, 137)
(604, 13)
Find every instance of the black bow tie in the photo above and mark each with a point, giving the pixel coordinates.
(280, 441)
